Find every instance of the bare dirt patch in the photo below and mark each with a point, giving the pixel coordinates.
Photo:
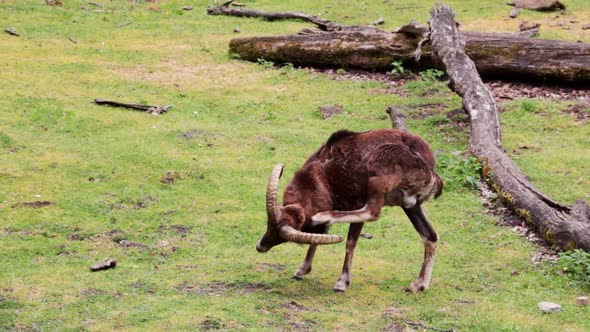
(178, 229)
(271, 267)
(130, 244)
(395, 327)
(170, 177)
(211, 324)
(425, 110)
(198, 133)
(34, 204)
(580, 111)
(64, 252)
(501, 90)
(219, 288)
(305, 325)
(105, 240)
(29, 232)
(293, 306)
(76, 236)
(139, 203)
(328, 111)
(507, 218)
(92, 292)
(515, 90)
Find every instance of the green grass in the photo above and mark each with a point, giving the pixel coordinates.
(186, 249)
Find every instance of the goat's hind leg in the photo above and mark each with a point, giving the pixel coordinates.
(305, 267)
(430, 239)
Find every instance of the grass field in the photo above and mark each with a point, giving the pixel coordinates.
(178, 199)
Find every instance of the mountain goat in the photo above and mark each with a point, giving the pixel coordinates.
(348, 180)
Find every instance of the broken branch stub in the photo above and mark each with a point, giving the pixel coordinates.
(398, 119)
(563, 226)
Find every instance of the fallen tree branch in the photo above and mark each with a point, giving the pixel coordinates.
(225, 9)
(563, 226)
(145, 108)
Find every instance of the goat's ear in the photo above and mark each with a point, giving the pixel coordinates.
(295, 211)
(438, 186)
(300, 217)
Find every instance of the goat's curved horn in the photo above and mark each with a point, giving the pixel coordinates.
(291, 234)
(272, 206)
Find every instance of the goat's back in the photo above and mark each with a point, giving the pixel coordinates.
(349, 159)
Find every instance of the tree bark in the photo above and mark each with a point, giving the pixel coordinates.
(566, 227)
(502, 56)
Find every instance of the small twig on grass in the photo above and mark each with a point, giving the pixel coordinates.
(418, 324)
(145, 108)
(12, 32)
(105, 265)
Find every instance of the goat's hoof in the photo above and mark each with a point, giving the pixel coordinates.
(300, 273)
(340, 286)
(339, 289)
(416, 286)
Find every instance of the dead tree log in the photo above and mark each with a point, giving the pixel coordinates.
(502, 56)
(564, 226)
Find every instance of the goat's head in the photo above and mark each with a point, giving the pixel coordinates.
(284, 223)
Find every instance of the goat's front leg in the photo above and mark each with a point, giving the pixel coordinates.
(305, 267)
(430, 239)
(366, 213)
(376, 190)
(345, 278)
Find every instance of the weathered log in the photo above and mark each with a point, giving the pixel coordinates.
(503, 56)
(540, 5)
(566, 227)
